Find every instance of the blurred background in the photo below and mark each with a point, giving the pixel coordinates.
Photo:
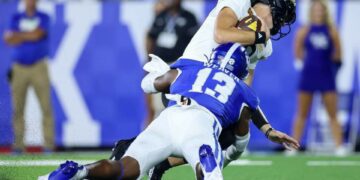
(96, 52)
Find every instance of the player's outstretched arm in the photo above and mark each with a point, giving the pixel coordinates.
(158, 72)
(155, 82)
(279, 137)
(162, 83)
(273, 135)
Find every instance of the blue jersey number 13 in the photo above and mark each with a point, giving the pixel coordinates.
(224, 90)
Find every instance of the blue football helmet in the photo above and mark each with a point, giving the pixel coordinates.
(232, 57)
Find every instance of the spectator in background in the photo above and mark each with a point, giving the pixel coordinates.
(28, 35)
(159, 7)
(317, 47)
(168, 37)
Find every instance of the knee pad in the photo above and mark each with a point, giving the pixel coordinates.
(207, 158)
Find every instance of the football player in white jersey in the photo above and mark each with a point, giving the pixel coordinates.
(220, 28)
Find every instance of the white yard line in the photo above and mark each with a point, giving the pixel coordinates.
(38, 162)
(242, 162)
(333, 163)
(246, 162)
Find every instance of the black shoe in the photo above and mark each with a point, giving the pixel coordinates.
(120, 148)
(158, 171)
(156, 174)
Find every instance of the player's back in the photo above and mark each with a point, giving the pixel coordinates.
(219, 91)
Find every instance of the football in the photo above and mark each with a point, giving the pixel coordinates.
(250, 23)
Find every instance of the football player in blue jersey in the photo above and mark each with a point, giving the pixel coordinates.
(204, 99)
(219, 28)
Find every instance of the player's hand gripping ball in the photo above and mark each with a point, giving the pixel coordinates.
(250, 23)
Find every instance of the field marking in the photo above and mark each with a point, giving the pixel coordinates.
(333, 163)
(246, 162)
(242, 162)
(39, 162)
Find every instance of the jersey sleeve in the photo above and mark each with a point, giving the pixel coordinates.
(183, 63)
(240, 7)
(251, 98)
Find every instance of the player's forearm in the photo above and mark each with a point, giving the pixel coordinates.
(265, 128)
(260, 121)
(226, 35)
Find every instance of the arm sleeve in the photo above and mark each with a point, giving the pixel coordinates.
(259, 118)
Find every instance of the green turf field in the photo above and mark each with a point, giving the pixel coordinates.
(252, 167)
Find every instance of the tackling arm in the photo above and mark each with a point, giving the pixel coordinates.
(273, 135)
(159, 78)
(162, 83)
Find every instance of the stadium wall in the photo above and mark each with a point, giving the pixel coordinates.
(97, 49)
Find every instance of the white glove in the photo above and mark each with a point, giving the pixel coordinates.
(157, 65)
(261, 52)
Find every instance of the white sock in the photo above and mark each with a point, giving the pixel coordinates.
(81, 174)
(234, 151)
(242, 142)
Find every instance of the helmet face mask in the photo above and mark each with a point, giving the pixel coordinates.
(283, 14)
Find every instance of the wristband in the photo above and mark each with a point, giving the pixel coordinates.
(260, 38)
(267, 133)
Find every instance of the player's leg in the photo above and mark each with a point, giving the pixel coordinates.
(242, 137)
(158, 171)
(330, 102)
(303, 108)
(149, 148)
(126, 168)
(204, 154)
(120, 148)
(153, 145)
(200, 145)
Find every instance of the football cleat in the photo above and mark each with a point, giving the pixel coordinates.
(66, 171)
(158, 171)
(210, 169)
(120, 148)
